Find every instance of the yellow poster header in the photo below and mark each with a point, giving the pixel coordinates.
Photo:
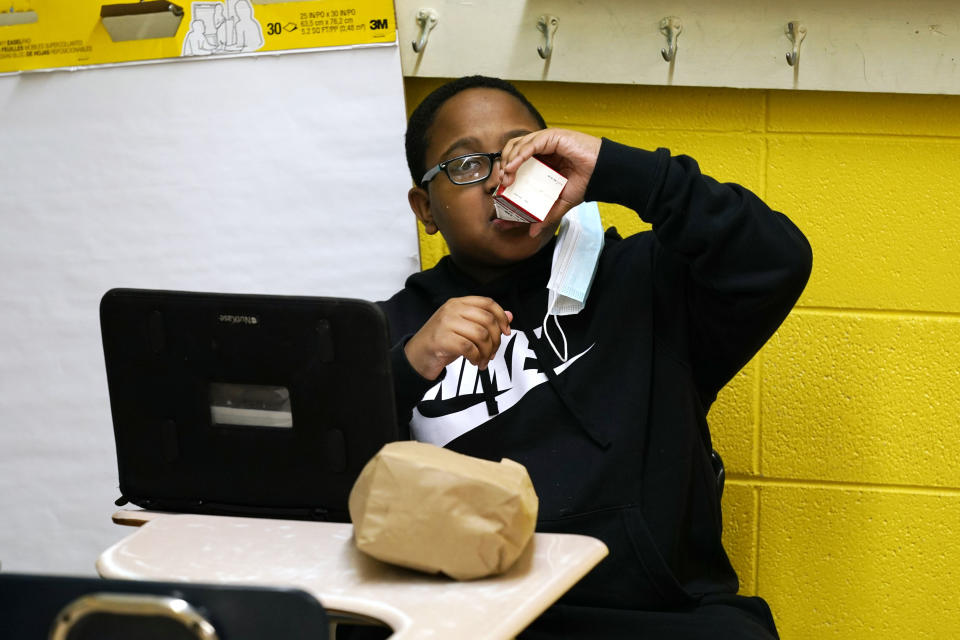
(49, 34)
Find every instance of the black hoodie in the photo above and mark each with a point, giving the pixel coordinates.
(616, 438)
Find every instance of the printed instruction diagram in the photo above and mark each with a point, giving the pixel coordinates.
(222, 27)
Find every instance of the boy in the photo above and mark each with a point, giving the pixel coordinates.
(612, 428)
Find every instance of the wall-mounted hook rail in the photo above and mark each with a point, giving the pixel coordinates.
(427, 19)
(796, 32)
(547, 25)
(671, 27)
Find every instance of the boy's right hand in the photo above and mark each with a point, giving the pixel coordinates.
(572, 153)
(470, 327)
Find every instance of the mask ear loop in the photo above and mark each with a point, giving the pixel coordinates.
(556, 321)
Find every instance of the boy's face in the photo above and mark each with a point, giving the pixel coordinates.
(477, 120)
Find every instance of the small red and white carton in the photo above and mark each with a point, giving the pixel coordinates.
(531, 195)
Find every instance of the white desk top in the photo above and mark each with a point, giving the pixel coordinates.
(321, 558)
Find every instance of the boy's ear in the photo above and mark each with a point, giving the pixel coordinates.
(419, 201)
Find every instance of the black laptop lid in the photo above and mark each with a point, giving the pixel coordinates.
(245, 404)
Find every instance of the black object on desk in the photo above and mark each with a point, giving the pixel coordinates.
(257, 405)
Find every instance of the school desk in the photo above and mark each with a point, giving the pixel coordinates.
(321, 558)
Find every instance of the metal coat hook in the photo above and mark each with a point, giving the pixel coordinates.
(427, 19)
(547, 25)
(671, 27)
(796, 33)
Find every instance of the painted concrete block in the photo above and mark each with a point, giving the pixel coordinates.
(881, 215)
(416, 89)
(733, 421)
(862, 398)
(740, 507)
(647, 107)
(625, 220)
(432, 247)
(859, 113)
(860, 565)
(726, 157)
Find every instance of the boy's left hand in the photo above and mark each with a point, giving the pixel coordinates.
(572, 153)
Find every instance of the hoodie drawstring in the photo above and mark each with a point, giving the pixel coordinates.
(544, 327)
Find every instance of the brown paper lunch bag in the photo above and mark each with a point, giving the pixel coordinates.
(431, 509)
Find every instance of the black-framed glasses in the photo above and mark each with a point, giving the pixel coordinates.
(465, 169)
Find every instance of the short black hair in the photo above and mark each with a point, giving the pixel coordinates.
(426, 112)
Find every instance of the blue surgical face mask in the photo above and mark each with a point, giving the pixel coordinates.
(575, 258)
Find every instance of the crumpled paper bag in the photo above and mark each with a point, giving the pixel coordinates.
(431, 509)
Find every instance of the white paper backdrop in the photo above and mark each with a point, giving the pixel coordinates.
(274, 174)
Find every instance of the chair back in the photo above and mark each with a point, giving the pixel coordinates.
(78, 608)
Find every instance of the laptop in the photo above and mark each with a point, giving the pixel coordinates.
(258, 405)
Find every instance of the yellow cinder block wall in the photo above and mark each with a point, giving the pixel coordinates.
(842, 437)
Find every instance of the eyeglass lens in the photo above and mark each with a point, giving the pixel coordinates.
(469, 169)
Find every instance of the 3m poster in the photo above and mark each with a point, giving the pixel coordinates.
(51, 34)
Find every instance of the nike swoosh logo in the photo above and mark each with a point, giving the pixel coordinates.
(456, 405)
